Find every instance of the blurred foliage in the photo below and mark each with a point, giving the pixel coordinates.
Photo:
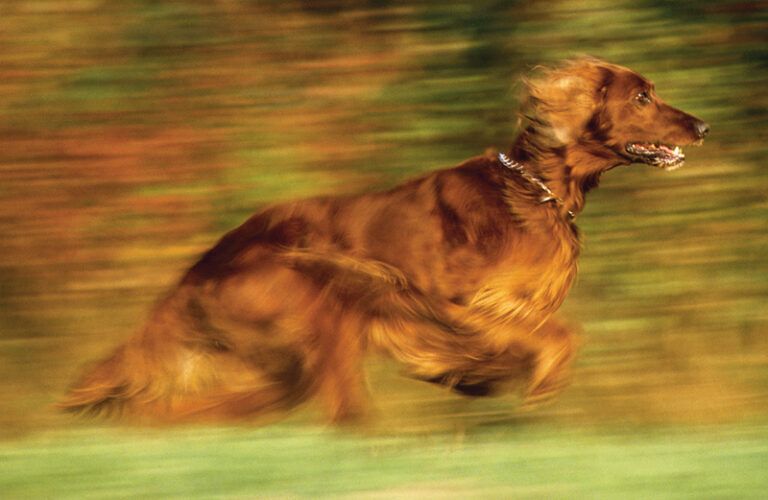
(133, 133)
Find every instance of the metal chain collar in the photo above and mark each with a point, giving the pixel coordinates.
(548, 195)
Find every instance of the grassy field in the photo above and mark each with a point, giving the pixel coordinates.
(523, 461)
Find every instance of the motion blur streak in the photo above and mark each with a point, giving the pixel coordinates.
(133, 134)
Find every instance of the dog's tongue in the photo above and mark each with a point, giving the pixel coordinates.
(668, 150)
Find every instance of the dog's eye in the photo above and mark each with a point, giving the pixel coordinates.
(643, 98)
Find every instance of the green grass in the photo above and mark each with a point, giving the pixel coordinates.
(299, 461)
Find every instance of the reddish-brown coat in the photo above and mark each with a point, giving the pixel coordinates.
(456, 274)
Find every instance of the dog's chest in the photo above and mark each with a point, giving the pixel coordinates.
(533, 278)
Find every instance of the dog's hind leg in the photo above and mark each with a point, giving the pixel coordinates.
(280, 384)
(325, 363)
(280, 337)
(339, 372)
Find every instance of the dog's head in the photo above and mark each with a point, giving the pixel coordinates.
(609, 111)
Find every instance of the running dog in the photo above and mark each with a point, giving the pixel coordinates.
(456, 274)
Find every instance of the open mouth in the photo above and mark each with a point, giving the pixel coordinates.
(658, 155)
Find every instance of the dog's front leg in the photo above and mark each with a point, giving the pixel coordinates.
(555, 345)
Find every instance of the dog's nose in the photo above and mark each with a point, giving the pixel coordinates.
(702, 129)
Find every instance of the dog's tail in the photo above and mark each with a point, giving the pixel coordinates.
(104, 389)
(120, 386)
(157, 378)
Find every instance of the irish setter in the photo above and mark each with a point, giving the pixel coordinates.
(456, 274)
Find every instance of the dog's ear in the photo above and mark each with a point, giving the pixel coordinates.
(607, 76)
(558, 102)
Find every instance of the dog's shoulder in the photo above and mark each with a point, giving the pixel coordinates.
(475, 181)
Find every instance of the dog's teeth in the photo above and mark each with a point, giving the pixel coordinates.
(677, 150)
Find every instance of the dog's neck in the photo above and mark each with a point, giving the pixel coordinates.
(570, 172)
(546, 195)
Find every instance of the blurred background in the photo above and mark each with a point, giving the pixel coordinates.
(133, 134)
